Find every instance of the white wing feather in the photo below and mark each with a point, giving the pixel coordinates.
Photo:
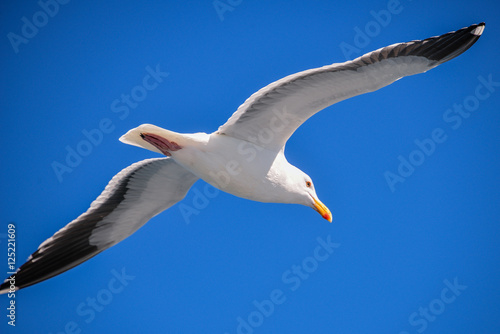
(131, 198)
(271, 115)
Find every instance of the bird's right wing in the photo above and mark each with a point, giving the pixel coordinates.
(271, 115)
(131, 198)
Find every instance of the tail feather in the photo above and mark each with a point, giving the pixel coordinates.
(133, 137)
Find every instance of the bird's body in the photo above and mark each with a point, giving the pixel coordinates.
(230, 164)
(244, 157)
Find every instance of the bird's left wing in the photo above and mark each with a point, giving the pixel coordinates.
(131, 198)
(271, 115)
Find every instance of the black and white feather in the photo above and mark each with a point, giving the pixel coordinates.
(290, 101)
(131, 198)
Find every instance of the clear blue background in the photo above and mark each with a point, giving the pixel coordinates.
(396, 248)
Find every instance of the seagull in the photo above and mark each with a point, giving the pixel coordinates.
(244, 157)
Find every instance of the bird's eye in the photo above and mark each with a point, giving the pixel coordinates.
(308, 184)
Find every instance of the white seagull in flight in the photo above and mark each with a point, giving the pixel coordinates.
(244, 157)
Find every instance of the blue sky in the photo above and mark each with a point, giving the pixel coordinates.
(419, 256)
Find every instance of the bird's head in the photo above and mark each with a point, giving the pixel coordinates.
(312, 200)
(301, 187)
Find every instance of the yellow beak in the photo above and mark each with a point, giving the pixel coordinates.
(322, 209)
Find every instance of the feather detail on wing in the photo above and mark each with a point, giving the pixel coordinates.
(131, 198)
(271, 115)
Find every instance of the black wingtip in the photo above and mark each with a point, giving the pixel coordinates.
(5, 286)
(461, 40)
(448, 46)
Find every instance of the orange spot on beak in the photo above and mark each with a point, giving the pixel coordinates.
(322, 209)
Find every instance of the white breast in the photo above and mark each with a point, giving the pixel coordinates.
(237, 167)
